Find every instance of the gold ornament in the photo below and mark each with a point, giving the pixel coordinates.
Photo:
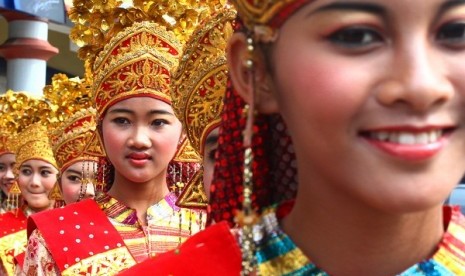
(33, 143)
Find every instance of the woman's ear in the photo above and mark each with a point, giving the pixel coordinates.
(241, 76)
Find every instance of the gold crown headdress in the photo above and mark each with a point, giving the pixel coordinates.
(75, 124)
(132, 50)
(199, 85)
(29, 117)
(262, 17)
(200, 81)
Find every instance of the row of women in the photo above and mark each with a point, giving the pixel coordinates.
(330, 134)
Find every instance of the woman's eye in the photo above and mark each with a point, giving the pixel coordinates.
(121, 121)
(25, 172)
(74, 178)
(45, 173)
(355, 37)
(2, 168)
(452, 34)
(212, 155)
(159, 122)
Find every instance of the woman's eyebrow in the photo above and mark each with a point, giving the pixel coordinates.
(352, 6)
(449, 4)
(160, 112)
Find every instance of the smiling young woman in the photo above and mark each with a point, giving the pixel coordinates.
(362, 104)
(374, 108)
(35, 171)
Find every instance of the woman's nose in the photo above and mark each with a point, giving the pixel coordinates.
(417, 79)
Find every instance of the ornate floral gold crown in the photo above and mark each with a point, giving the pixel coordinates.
(198, 88)
(269, 13)
(76, 124)
(33, 143)
(132, 50)
(71, 142)
(200, 81)
(28, 117)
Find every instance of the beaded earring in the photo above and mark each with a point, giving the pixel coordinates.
(247, 217)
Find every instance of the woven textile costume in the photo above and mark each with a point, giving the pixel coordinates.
(274, 173)
(129, 51)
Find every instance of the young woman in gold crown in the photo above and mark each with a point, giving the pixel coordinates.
(131, 52)
(70, 137)
(7, 162)
(372, 95)
(35, 172)
(198, 88)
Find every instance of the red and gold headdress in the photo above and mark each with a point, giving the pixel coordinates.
(200, 81)
(198, 89)
(30, 117)
(132, 50)
(266, 15)
(76, 124)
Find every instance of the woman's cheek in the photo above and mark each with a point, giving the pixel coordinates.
(70, 192)
(49, 182)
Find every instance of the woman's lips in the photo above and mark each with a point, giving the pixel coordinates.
(139, 158)
(409, 143)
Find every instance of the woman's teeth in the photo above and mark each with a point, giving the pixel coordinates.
(407, 138)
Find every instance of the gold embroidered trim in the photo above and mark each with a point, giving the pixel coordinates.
(11, 246)
(107, 263)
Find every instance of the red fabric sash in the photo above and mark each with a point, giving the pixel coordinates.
(75, 232)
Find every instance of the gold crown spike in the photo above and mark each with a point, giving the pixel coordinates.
(132, 49)
(200, 81)
(75, 122)
(266, 13)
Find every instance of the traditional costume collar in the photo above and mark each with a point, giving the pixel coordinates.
(279, 255)
(123, 214)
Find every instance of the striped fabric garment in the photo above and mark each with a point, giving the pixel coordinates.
(277, 254)
(167, 225)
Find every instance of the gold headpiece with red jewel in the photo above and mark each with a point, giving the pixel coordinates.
(198, 88)
(29, 116)
(75, 125)
(263, 16)
(131, 50)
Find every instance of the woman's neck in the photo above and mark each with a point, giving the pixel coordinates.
(349, 239)
(139, 196)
